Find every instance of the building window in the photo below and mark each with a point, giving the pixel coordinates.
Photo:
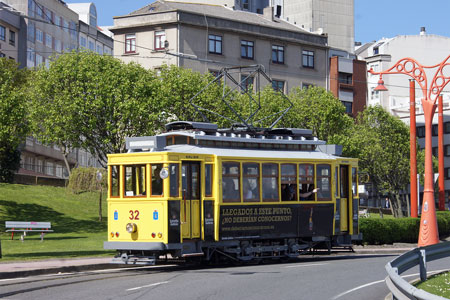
(308, 59)
(39, 36)
(58, 46)
(278, 54)
(30, 33)
(435, 151)
(348, 106)
(245, 4)
(30, 57)
(307, 85)
(246, 82)
(447, 127)
(215, 44)
(91, 45)
(83, 41)
(278, 85)
(57, 20)
(2, 33)
(65, 25)
(48, 40)
(446, 150)
(130, 43)
(160, 39)
(31, 8)
(345, 78)
(73, 30)
(48, 15)
(447, 173)
(39, 59)
(39, 11)
(420, 131)
(247, 49)
(2, 54)
(99, 49)
(434, 130)
(12, 38)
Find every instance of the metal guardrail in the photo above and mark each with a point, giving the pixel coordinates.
(399, 287)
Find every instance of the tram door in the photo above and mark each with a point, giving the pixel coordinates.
(190, 203)
(344, 187)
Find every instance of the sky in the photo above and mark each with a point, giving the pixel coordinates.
(373, 19)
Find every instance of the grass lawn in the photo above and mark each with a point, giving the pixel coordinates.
(438, 284)
(74, 218)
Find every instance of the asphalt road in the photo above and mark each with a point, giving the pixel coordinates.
(339, 277)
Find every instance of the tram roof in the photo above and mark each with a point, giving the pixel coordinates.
(251, 153)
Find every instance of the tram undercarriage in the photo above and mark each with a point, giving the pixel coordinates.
(238, 250)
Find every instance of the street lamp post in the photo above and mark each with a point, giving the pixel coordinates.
(428, 234)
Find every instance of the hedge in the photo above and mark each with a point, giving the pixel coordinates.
(402, 230)
(85, 180)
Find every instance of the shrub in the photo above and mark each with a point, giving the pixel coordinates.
(85, 180)
(402, 230)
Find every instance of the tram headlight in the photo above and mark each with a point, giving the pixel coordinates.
(131, 227)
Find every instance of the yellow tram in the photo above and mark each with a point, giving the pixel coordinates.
(197, 190)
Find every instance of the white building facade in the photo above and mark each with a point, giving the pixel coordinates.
(427, 50)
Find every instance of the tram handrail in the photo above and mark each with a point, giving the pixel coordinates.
(398, 286)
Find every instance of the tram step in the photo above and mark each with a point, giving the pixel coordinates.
(193, 254)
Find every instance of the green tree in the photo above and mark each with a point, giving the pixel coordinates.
(13, 121)
(90, 101)
(381, 142)
(316, 109)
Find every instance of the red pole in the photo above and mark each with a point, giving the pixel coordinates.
(428, 232)
(412, 147)
(441, 153)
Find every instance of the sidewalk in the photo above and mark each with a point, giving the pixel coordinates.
(17, 269)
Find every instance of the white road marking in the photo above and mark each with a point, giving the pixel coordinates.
(380, 281)
(145, 286)
(307, 265)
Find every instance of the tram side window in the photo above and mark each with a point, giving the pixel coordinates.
(174, 174)
(354, 182)
(157, 183)
(230, 182)
(208, 180)
(288, 182)
(336, 182)
(114, 181)
(135, 181)
(250, 182)
(323, 178)
(306, 181)
(270, 182)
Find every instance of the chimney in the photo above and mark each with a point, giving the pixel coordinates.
(422, 31)
(268, 13)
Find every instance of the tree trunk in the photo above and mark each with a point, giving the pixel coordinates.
(408, 206)
(65, 154)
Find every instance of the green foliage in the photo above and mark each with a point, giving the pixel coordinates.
(13, 112)
(405, 230)
(85, 180)
(9, 162)
(93, 102)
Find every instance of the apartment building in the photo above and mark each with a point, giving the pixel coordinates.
(206, 38)
(90, 36)
(10, 22)
(348, 77)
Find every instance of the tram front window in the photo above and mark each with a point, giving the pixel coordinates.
(114, 173)
(135, 181)
(174, 181)
(157, 183)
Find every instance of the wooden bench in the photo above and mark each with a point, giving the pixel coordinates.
(16, 226)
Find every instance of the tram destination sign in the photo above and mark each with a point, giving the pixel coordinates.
(271, 221)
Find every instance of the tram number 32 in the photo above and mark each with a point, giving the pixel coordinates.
(134, 215)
